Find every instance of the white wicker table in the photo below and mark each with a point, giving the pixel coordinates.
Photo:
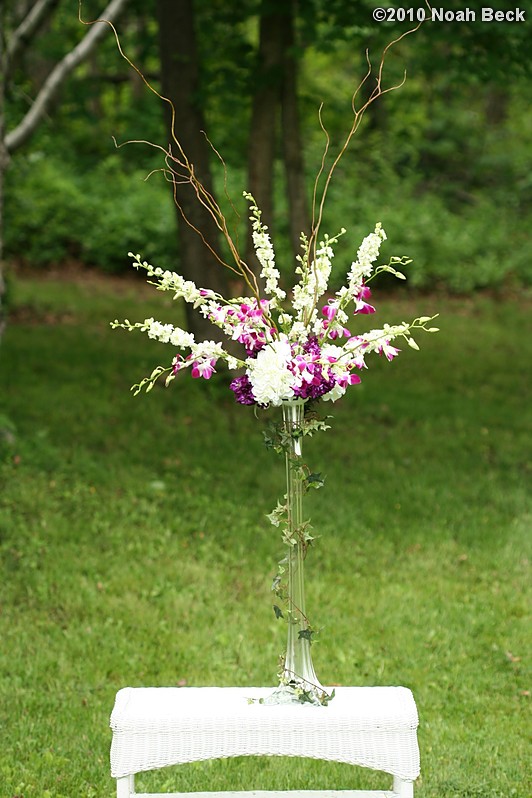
(154, 727)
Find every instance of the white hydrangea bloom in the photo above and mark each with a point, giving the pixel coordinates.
(270, 378)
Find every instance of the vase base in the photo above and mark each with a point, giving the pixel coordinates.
(298, 692)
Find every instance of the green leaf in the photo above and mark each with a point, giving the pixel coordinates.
(278, 611)
(277, 515)
(315, 481)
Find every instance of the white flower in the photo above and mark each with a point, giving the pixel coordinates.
(299, 332)
(161, 332)
(181, 338)
(270, 378)
(207, 349)
(266, 258)
(333, 395)
(233, 363)
(314, 282)
(332, 351)
(374, 338)
(285, 318)
(367, 254)
(265, 253)
(166, 333)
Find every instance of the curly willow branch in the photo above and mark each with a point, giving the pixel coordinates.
(181, 171)
(378, 91)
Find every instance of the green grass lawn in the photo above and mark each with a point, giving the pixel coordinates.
(135, 549)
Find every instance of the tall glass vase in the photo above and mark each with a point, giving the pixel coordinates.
(298, 678)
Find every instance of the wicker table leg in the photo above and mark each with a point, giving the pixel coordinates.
(125, 786)
(403, 788)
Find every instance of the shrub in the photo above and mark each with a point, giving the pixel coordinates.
(53, 214)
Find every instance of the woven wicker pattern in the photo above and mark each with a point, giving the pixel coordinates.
(153, 727)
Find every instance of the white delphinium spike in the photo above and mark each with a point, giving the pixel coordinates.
(265, 253)
(165, 333)
(171, 281)
(362, 267)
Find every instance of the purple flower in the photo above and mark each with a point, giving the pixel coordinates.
(203, 368)
(330, 310)
(361, 306)
(242, 390)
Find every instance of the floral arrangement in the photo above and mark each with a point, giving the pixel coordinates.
(295, 351)
(299, 352)
(295, 354)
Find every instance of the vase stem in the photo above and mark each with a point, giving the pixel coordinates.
(298, 665)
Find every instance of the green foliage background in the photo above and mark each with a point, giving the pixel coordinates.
(443, 162)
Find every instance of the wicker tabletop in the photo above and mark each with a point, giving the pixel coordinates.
(154, 727)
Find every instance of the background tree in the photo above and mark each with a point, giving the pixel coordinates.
(449, 151)
(275, 114)
(24, 23)
(180, 84)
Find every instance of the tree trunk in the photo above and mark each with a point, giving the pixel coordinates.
(262, 135)
(180, 84)
(4, 160)
(292, 141)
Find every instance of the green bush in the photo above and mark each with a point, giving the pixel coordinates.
(480, 243)
(45, 210)
(54, 215)
(135, 215)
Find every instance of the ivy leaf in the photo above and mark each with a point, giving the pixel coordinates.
(325, 698)
(278, 611)
(306, 634)
(313, 425)
(277, 515)
(269, 437)
(305, 697)
(315, 481)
